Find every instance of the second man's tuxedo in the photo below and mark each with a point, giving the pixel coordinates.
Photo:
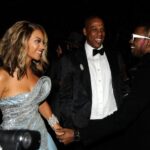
(75, 95)
(74, 98)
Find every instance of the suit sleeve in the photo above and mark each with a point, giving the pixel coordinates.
(65, 93)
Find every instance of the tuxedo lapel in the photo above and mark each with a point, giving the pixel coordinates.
(85, 75)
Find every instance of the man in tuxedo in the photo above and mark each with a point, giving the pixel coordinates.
(132, 119)
(90, 85)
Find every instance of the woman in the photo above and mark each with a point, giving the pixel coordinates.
(23, 50)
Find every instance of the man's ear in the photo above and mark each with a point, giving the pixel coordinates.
(84, 31)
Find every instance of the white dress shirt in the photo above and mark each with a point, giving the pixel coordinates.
(103, 100)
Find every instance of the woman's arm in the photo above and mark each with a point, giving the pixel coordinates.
(46, 112)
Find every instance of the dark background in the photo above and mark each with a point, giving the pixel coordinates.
(62, 16)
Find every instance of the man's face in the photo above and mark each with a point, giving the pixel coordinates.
(94, 32)
(139, 42)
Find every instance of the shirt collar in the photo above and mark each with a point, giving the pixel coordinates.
(89, 49)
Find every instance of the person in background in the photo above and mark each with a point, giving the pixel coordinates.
(23, 51)
(132, 119)
(74, 41)
(90, 85)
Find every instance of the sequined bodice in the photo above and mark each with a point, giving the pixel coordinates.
(21, 111)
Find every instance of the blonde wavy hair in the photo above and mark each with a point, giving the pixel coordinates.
(13, 45)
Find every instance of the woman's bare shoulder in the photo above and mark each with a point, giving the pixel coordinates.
(4, 80)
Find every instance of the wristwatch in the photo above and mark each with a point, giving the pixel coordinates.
(76, 135)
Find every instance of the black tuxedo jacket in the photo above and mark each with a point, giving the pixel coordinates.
(132, 119)
(75, 96)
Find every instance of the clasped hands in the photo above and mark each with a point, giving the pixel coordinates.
(64, 135)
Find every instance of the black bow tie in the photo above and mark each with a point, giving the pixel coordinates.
(96, 51)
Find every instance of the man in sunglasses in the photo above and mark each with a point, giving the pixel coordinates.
(132, 119)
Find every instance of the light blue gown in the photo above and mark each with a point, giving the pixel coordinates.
(21, 112)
